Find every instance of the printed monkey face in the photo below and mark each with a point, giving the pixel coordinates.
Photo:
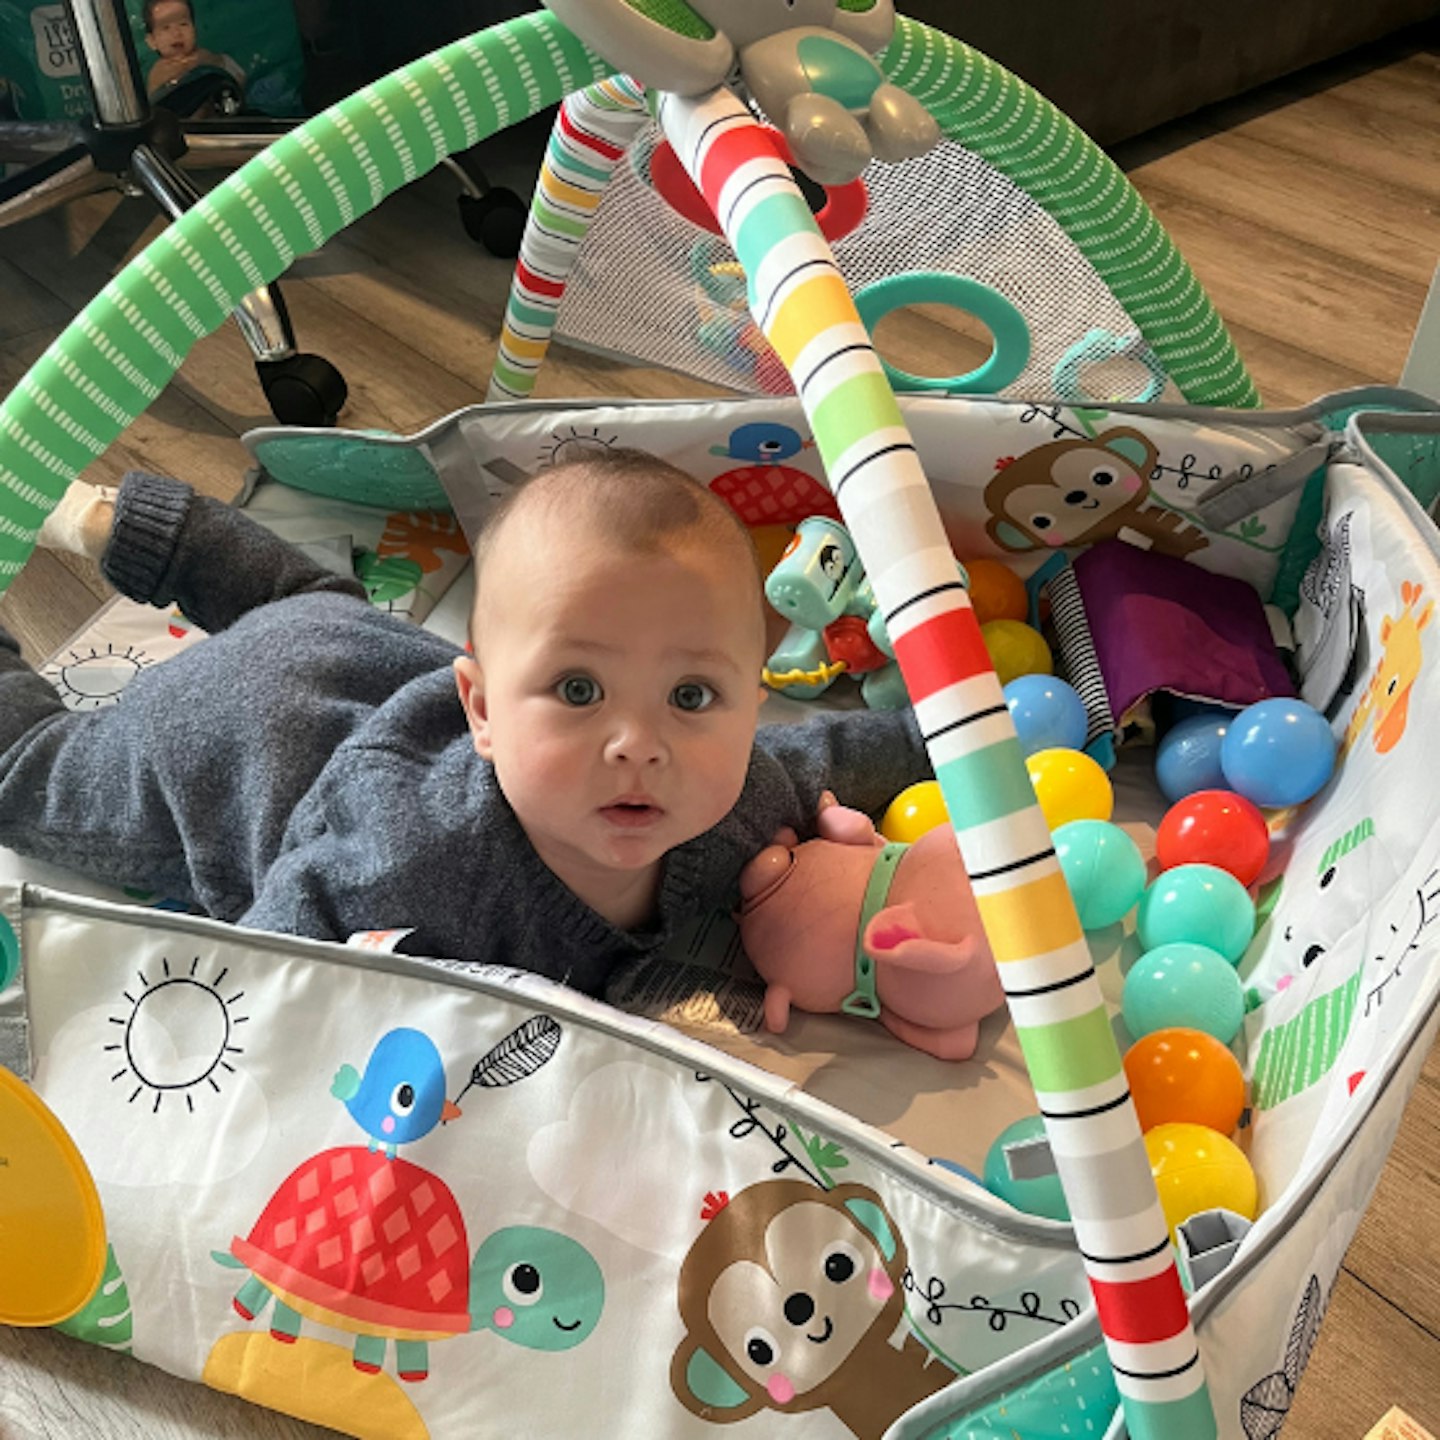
(1088, 486)
(792, 1322)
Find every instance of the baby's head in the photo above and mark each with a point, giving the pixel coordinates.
(618, 637)
(170, 27)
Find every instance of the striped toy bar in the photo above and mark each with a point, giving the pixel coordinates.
(120, 352)
(805, 310)
(591, 135)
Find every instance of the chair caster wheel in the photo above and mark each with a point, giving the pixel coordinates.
(495, 220)
(302, 389)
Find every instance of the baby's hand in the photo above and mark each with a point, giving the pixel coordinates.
(842, 824)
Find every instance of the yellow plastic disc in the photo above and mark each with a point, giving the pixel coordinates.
(52, 1230)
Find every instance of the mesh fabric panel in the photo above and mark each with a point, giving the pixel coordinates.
(636, 291)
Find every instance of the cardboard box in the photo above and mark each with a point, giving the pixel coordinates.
(1397, 1425)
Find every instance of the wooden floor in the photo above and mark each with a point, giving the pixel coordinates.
(1310, 210)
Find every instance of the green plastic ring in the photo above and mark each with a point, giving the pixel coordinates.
(936, 287)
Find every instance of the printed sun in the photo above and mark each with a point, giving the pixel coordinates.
(572, 443)
(86, 682)
(176, 1035)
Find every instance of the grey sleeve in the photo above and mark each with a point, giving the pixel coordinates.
(866, 757)
(169, 545)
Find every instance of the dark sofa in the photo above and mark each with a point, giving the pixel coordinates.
(1118, 67)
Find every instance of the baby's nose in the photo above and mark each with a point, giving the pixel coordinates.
(636, 741)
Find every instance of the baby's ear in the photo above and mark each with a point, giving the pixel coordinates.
(470, 682)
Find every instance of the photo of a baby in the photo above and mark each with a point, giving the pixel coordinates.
(170, 31)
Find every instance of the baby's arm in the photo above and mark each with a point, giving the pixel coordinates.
(169, 545)
(865, 757)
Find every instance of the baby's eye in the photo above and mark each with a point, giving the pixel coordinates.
(578, 690)
(692, 695)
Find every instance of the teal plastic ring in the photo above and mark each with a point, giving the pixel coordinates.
(989, 306)
(1096, 348)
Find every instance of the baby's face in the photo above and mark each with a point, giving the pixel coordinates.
(617, 695)
(172, 30)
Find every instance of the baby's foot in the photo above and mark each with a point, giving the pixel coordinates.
(80, 523)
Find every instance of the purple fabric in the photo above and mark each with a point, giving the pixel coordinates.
(1159, 623)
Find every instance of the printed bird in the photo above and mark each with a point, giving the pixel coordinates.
(401, 1095)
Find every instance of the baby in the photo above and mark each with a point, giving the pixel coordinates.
(565, 800)
(170, 33)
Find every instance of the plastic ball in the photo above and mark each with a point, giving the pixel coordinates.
(1180, 1075)
(1200, 903)
(996, 591)
(1214, 827)
(1016, 649)
(1047, 713)
(1070, 786)
(1197, 1169)
(771, 543)
(1188, 757)
(1035, 1197)
(914, 812)
(1278, 753)
(1183, 984)
(1103, 868)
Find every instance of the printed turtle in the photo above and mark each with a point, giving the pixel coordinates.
(363, 1243)
(376, 1247)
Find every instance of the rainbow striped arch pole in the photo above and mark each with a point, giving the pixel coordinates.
(804, 308)
(592, 132)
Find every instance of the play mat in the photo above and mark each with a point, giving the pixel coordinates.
(626, 1226)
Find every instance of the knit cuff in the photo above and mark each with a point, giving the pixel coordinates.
(150, 511)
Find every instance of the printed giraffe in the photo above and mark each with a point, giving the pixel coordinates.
(1387, 698)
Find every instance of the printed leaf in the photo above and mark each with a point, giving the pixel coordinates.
(1304, 1332)
(106, 1318)
(522, 1052)
(825, 1155)
(389, 579)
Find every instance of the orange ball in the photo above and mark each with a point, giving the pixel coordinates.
(1184, 1076)
(770, 544)
(996, 591)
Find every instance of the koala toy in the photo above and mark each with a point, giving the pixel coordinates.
(807, 63)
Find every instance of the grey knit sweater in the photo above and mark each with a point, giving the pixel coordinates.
(308, 769)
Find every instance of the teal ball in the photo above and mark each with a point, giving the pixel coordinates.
(1044, 1196)
(1199, 903)
(1103, 868)
(1182, 983)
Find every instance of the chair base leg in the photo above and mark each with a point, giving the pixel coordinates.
(42, 187)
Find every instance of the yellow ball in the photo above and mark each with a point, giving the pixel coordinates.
(1197, 1168)
(1016, 649)
(1070, 786)
(913, 812)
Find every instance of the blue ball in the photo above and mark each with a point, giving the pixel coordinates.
(1183, 984)
(1199, 903)
(1047, 713)
(1103, 868)
(1188, 758)
(1044, 1196)
(1278, 753)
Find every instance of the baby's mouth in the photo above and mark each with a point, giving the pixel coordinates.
(632, 814)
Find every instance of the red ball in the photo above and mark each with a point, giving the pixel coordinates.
(1214, 827)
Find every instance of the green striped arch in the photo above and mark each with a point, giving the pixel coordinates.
(117, 355)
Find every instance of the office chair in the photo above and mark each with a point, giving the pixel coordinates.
(134, 146)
